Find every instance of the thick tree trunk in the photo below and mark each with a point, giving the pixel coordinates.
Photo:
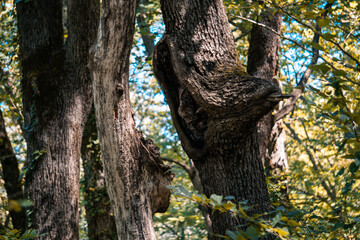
(99, 216)
(57, 98)
(11, 175)
(263, 63)
(214, 108)
(135, 175)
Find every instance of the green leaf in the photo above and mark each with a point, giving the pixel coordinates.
(281, 232)
(293, 223)
(328, 36)
(229, 198)
(347, 187)
(337, 226)
(339, 73)
(184, 191)
(218, 199)
(323, 67)
(276, 219)
(323, 22)
(353, 167)
(317, 46)
(341, 147)
(252, 232)
(231, 234)
(309, 15)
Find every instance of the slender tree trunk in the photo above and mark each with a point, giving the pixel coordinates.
(263, 63)
(99, 216)
(135, 175)
(11, 174)
(57, 98)
(214, 108)
(146, 35)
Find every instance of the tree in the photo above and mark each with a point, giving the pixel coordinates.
(135, 174)
(214, 104)
(57, 97)
(11, 175)
(263, 63)
(99, 216)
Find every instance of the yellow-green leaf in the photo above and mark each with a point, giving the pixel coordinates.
(323, 22)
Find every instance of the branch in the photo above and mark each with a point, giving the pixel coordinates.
(317, 31)
(291, 103)
(182, 165)
(242, 35)
(170, 228)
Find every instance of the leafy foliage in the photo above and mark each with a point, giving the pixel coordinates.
(16, 235)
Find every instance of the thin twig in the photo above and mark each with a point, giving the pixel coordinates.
(182, 165)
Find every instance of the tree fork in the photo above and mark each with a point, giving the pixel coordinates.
(136, 177)
(57, 97)
(263, 63)
(214, 106)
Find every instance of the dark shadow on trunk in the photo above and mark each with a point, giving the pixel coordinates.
(11, 176)
(57, 97)
(99, 215)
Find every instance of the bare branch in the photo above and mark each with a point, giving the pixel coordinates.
(182, 165)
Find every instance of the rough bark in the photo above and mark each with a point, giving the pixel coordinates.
(99, 216)
(214, 108)
(263, 63)
(11, 175)
(134, 173)
(57, 98)
(191, 170)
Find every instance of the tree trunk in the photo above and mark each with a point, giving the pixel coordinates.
(263, 63)
(135, 176)
(57, 98)
(100, 219)
(214, 107)
(146, 35)
(11, 175)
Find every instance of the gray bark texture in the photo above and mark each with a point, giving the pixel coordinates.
(57, 97)
(11, 176)
(215, 109)
(99, 216)
(135, 175)
(263, 63)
